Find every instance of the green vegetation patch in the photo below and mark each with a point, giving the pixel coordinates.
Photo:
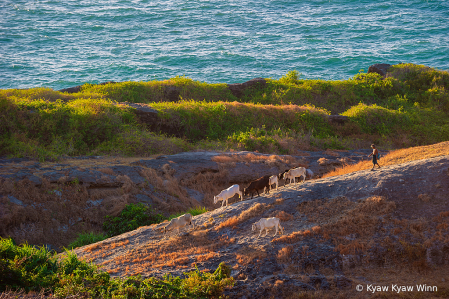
(86, 238)
(131, 217)
(411, 102)
(36, 269)
(192, 211)
(205, 120)
(159, 91)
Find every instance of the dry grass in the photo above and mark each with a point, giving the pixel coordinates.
(355, 228)
(106, 170)
(24, 295)
(284, 254)
(282, 215)
(424, 197)
(253, 211)
(361, 220)
(53, 213)
(209, 183)
(293, 237)
(397, 157)
(165, 182)
(248, 254)
(176, 252)
(254, 158)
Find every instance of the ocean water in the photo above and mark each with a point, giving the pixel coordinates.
(59, 44)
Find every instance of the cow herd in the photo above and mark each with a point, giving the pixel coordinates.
(262, 184)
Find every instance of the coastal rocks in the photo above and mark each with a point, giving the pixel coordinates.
(337, 119)
(15, 200)
(380, 68)
(238, 89)
(183, 164)
(151, 118)
(145, 113)
(172, 93)
(87, 177)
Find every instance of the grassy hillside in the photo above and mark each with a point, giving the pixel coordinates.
(397, 157)
(407, 108)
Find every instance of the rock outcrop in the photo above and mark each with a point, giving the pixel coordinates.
(380, 68)
(337, 119)
(238, 89)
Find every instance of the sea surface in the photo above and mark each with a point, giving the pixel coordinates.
(59, 44)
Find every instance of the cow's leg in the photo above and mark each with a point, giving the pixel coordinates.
(266, 231)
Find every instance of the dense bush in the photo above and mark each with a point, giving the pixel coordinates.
(133, 216)
(218, 120)
(412, 101)
(36, 269)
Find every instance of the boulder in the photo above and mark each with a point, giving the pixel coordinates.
(238, 89)
(145, 113)
(337, 119)
(15, 200)
(172, 93)
(380, 68)
(184, 164)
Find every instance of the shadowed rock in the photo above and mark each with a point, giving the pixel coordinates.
(380, 68)
(337, 119)
(238, 89)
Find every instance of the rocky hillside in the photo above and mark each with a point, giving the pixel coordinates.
(50, 203)
(383, 227)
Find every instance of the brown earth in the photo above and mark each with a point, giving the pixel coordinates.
(51, 203)
(373, 228)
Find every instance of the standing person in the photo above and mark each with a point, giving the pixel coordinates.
(375, 154)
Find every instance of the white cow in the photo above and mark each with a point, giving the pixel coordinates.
(228, 193)
(179, 222)
(295, 173)
(273, 180)
(266, 223)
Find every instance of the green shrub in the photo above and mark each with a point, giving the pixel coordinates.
(46, 124)
(156, 91)
(86, 239)
(132, 217)
(36, 269)
(291, 77)
(192, 211)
